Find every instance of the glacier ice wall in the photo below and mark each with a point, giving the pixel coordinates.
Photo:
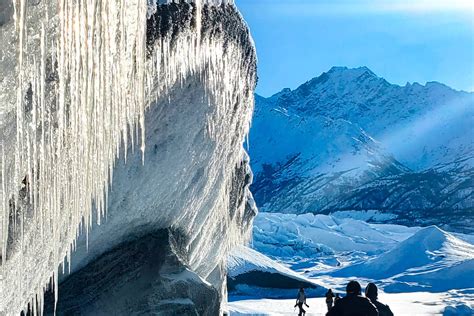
(119, 119)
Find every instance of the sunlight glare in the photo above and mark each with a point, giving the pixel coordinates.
(420, 6)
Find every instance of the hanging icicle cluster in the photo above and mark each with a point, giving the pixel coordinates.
(66, 148)
(81, 96)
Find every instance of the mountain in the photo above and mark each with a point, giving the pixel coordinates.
(350, 141)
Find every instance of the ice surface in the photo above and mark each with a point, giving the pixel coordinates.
(431, 260)
(312, 236)
(244, 259)
(77, 81)
(409, 304)
(406, 259)
(253, 274)
(419, 271)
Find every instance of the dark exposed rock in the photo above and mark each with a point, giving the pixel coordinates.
(139, 277)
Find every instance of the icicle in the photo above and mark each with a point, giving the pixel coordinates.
(198, 4)
(5, 209)
(102, 84)
(247, 141)
(56, 291)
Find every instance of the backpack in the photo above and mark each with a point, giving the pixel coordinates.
(384, 310)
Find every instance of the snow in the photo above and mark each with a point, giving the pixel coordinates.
(350, 141)
(64, 142)
(385, 112)
(257, 275)
(323, 245)
(460, 309)
(309, 235)
(434, 244)
(431, 259)
(368, 215)
(244, 259)
(413, 304)
(419, 271)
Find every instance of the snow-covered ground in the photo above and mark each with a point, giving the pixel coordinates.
(412, 304)
(420, 271)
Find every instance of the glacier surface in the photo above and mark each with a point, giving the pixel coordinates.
(422, 271)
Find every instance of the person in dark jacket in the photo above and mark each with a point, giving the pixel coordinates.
(300, 300)
(329, 299)
(353, 304)
(371, 292)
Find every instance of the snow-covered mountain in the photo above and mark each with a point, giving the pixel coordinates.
(349, 140)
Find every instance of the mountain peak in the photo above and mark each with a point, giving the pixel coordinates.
(338, 77)
(343, 74)
(351, 71)
(337, 69)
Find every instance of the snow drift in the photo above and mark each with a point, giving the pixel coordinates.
(118, 121)
(431, 260)
(256, 275)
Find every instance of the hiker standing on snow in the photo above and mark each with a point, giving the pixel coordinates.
(329, 299)
(371, 292)
(353, 304)
(300, 300)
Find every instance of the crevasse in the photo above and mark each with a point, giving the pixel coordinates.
(78, 81)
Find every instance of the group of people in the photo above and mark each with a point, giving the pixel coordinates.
(353, 304)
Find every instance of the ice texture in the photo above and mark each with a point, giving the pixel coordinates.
(78, 78)
(401, 259)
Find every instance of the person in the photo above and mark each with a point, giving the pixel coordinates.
(300, 300)
(329, 299)
(371, 292)
(353, 304)
(338, 297)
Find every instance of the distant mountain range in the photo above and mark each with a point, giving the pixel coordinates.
(349, 141)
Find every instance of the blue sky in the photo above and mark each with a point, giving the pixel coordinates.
(400, 40)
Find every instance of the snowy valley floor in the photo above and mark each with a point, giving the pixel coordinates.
(420, 271)
(416, 303)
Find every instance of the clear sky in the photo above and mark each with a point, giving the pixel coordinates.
(400, 40)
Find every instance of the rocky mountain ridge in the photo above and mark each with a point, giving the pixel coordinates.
(350, 141)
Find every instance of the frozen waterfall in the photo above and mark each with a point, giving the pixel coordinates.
(87, 89)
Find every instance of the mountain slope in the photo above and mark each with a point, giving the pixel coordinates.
(349, 140)
(431, 258)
